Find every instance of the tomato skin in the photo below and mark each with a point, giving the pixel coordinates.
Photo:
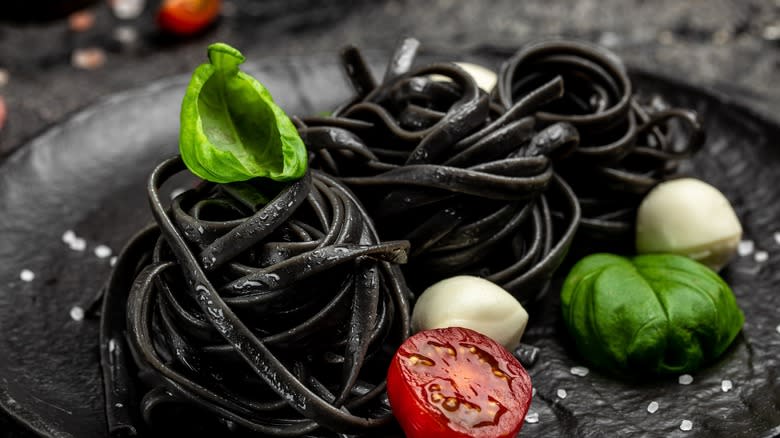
(457, 383)
(187, 17)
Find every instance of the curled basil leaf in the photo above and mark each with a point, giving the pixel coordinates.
(657, 313)
(231, 129)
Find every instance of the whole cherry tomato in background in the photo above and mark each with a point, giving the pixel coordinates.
(457, 383)
(187, 17)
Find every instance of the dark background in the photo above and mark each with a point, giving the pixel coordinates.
(732, 47)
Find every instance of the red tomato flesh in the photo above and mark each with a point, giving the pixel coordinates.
(457, 383)
(187, 17)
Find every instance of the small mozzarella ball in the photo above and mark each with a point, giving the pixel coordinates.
(691, 218)
(473, 303)
(485, 78)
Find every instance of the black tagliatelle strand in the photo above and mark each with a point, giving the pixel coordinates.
(253, 313)
(626, 147)
(468, 182)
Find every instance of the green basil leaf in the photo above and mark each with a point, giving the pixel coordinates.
(231, 129)
(656, 313)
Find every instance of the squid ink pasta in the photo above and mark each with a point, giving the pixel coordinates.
(626, 146)
(439, 162)
(264, 308)
(272, 311)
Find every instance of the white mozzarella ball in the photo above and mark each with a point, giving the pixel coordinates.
(474, 303)
(691, 218)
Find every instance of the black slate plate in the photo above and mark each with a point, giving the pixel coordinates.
(87, 175)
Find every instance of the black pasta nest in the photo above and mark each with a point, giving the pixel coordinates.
(277, 313)
(245, 314)
(482, 183)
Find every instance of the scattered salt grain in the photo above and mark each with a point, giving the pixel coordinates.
(126, 34)
(533, 390)
(746, 247)
(609, 39)
(771, 32)
(686, 425)
(127, 9)
(78, 244)
(77, 313)
(4, 76)
(561, 393)
(778, 329)
(777, 237)
(102, 251)
(685, 379)
(532, 417)
(68, 236)
(761, 256)
(579, 371)
(112, 261)
(90, 58)
(652, 407)
(27, 275)
(726, 385)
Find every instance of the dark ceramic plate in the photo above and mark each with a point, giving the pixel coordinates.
(87, 175)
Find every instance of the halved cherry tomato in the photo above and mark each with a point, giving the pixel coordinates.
(186, 17)
(457, 383)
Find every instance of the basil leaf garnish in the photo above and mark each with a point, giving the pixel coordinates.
(231, 129)
(656, 313)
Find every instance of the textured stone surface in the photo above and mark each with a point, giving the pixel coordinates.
(729, 45)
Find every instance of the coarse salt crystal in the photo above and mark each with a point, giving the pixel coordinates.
(777, 237)
(686, 425)
(561, 393)
(771, 32)
(27, 275)
(685, 379)
(90, 58)
(127, 9)
(609, 39)
(652, 407)
(778, 329)
(726, 385)
(532, 417)
(126, 34)
(745, 247)
(68, 236)
(78, 244)
(102, 251)
(4, 76)
(77, 313)
(579, 371)
(112, 261)
(761, 256)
